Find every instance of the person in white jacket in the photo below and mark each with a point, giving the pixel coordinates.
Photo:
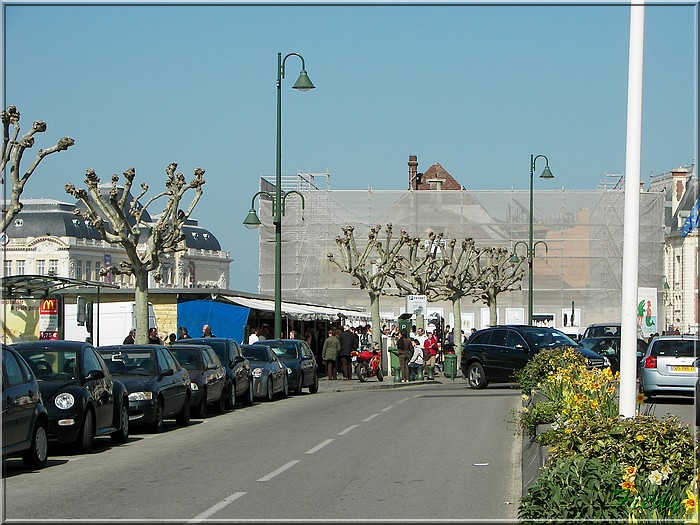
(416, 362)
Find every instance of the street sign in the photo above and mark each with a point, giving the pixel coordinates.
(416, 304)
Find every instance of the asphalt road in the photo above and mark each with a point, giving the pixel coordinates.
(431, 451)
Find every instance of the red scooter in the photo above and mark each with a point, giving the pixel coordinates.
(367, 364)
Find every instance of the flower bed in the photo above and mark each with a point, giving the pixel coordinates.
(599, 466)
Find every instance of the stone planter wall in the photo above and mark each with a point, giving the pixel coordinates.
(533, 455)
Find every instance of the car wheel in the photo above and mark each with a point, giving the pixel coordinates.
(183, 418)
(38, 454)
(231, 397)
(122, 433)
(248, 400)
(157, 425)
(313, 388)
(87, 433)
(202, 407)
(476, 376)
(270, 390)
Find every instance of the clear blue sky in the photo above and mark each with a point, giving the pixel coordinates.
(476, 88)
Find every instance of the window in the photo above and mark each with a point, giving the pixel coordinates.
(480, 339)
(88, 270)
(8, 268)
(78, 269)
(162, 361)
(12, 369)
(515, 340)
(90, 361)
(499, 337)
(53, 266)
(41, 267)
(20, 267)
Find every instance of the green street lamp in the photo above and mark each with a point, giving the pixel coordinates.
(546, 174)
(303, 83)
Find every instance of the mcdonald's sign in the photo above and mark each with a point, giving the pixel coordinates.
(48, 318)
(48, 306)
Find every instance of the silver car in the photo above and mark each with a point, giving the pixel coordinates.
(669, 366)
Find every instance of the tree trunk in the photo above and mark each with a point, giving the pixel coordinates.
(493, 311)
(141, 300)
(376, 326)
(457, 328)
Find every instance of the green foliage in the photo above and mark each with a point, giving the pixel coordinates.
(539, 413)
(655, 503)
(573, 489)
(544, 363)
(645, 442)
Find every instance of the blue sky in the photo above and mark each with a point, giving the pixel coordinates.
(476, 88)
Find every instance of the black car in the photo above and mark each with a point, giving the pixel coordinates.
(610, 347)
(299, 358)
(270, 376)
(82, 398)
(239, 375)
(494, 354)
(25, 421)
(207, 376)
(159, 388)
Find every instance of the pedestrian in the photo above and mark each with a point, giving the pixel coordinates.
(264, 332)
(431, 345)
(416, 360)
(347, 345)
(331, 348)
(131, 338)
(182, 333)
(172, 338)
(153, 338)
(405, 348)
(365, 339)
(292, 334)
(253, 337)
(206, 331)
(420, 335)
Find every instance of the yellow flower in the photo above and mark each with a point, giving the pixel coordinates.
(666, 471)
(630, 471)
(629, 486)
(594, 404)
(525, 409)
(690, 502)
(525, 397)
(639, 437)
(641, 398)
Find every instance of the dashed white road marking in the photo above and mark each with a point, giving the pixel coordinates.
(369, 418)
(387, 408)
(216, 508)
(319, 446)
(343, 432)
(279, 470)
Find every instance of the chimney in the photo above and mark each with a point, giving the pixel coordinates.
(678, 180)
(412, 171)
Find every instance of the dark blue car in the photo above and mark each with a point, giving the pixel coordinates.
(298, 357)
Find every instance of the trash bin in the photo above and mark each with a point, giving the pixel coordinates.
(450, 365)
(394, 363)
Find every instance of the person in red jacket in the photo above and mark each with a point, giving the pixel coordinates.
(431, 345)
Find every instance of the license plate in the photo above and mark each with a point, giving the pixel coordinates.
(683, 369)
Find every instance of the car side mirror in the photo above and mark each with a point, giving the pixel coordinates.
(238, 359)
(212, 366)
(167, 372)
(93, 375)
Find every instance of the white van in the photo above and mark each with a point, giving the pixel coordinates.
(113, 325)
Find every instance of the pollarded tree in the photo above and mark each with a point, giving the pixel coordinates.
(13, 148)
(372, 267)
(494, 273)
(121, 221)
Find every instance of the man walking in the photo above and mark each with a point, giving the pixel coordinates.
(347, 345)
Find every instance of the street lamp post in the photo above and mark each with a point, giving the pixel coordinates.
(303, 83)
(546, 174)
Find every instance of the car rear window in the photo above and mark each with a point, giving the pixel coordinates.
(674, 348)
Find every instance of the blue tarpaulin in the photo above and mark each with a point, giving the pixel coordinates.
(226, 320)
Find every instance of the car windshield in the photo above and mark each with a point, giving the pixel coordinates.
(674, 348)
(288, 350)
(189, 359)
(255, 353)
(547, 338)
(124, 362)
(52, 364)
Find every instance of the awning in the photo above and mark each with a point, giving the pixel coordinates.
(299, 311)
(39, 286)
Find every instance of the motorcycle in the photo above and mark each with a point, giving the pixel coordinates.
(367, 364)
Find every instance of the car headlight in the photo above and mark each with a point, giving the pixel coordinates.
(193, 386)
(140, 396)
(289, 371)
(64, 401)
(606, 362)
(257, 372)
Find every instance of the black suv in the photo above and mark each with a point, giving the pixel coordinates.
(239, 375)
(494, 354)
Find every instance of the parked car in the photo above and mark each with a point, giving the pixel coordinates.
(25, 421)
(602, 330)
(239, 375)
(82, 398)
(610, 347)
(207, 376)
(494, 354)
(298, 357)
(270, 376)
(159, 388)
(669, 366)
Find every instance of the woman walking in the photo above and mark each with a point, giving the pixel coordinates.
(405, 348)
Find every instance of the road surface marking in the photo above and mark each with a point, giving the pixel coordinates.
(279, 470)
(369, 418)
(216, 508)
(387, 408)
(404, 399)
(343, 432)
(319, 446)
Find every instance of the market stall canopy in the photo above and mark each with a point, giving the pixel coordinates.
(37, 286)
(299, 311)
